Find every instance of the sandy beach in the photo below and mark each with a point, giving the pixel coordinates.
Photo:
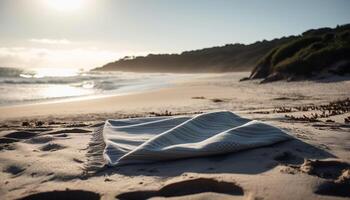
(182, 99)
(44, 146)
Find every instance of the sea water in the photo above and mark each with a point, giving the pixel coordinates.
(20, 87)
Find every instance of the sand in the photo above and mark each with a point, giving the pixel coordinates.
(43, 147)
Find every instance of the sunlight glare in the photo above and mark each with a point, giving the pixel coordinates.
(50, 72)
(65, 5)
(56, 91)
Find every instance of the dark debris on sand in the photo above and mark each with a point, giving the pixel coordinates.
(169, 113)
(322, 111)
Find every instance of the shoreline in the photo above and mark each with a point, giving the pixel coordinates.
(176, 90)
(61, 89)
(152, 84)
(44, 147)
(75, 98)
(198, 93)
(107, 104)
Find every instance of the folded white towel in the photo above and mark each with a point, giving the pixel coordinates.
(144, 140)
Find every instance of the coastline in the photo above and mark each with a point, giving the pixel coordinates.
(192, 94)
(19, 90)
(134, 101)
(54, 157)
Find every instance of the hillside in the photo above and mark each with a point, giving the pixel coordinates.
(231, 57)
(314, 53)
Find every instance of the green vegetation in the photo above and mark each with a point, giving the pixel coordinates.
(314, 52)
(231, 57)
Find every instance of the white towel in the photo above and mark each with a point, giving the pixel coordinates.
(145, 140)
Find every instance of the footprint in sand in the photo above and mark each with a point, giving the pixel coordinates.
(187, 187)
(21, 135)
(51, 147)
(29, 136)
(67, 195)
(74, 130)
(337, 174)
(63, 135)
(8, 140)
(40, 139)
(339, 187)
(328, 169)
(7, 147)
(13, 169)
(7, 144)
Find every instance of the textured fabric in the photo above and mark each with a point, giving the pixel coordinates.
(144, 140)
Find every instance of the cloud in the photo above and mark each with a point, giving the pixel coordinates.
(51, 41)
(29, 57)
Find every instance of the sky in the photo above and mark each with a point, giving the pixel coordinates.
(89, 33)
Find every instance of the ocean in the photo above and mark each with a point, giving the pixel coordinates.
(46, 85)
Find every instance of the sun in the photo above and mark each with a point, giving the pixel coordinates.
(65, 5)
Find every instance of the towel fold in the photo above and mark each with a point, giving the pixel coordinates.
(145, 140)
